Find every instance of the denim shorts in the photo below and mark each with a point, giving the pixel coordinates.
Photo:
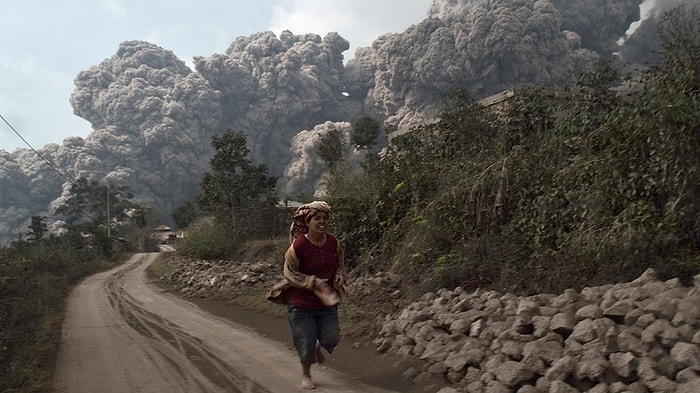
(311, 324)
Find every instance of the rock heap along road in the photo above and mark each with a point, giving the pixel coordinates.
(123, 334)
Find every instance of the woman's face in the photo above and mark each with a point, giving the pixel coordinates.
(319, 223)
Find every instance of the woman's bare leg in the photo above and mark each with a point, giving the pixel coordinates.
(306, 382)
(320, 358)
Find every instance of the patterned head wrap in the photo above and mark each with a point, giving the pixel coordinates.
(301, 217)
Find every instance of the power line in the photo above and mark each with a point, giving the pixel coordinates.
(33, 149)
(53, 167)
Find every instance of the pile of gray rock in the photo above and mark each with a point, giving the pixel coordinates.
(202, 278)
(641, 336)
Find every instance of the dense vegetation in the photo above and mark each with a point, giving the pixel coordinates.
(558, 189)
(38, 270)
(237, 202)
(34, 282)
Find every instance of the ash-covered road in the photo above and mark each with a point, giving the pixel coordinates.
(123, 335)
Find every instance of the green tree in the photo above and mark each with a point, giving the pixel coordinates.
(185, 214)
(330, 148)
(237, 191)
(139, 220)
(364, 133)
(95, 209)
(93, 204)
(37, 228)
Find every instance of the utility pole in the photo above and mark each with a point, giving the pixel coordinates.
(108, 234)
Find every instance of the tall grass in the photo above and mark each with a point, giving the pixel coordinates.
(35, 279)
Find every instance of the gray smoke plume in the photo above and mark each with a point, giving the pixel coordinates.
(485, 47)
(641, 45)
(275, 86)
(153, 117)
(306, 173)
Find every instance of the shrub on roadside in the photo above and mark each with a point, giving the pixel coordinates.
(207, 240)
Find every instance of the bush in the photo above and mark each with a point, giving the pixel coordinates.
(206, 240)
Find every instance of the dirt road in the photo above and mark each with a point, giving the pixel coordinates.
(124, 335)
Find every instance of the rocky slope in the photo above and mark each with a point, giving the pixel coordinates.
(640, 336)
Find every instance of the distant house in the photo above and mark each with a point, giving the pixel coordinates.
(497, 101)
(163, 234)
(283, 203)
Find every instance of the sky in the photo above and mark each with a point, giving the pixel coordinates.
(46, 43)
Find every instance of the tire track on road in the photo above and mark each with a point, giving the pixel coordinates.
(122, 334)
(185, 352)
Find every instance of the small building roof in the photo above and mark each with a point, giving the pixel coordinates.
(285, 203)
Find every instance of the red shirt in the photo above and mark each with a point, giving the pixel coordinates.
(320, 261)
